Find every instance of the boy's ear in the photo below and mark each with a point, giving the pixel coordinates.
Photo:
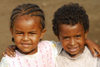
(43, 32)
(86, 33)
(58, 37)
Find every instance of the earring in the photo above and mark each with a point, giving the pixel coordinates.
(13, 39)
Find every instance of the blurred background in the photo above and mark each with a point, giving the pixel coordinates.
(49, 6)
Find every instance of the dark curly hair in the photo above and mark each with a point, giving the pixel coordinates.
(71, 14)
(27, 9)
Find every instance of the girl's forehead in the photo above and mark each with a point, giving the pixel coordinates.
(27, 21)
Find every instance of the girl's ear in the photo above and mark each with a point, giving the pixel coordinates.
(11, 30)
(42, 33)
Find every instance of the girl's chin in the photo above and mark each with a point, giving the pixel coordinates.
(28, 52)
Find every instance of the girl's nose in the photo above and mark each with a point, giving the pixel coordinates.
(25, 37)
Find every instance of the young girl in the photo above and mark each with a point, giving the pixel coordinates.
(27, 27)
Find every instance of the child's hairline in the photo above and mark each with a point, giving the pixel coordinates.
(85, 31)
(41, 20)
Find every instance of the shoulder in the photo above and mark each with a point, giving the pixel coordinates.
(5, 61)
(9, 59)
(58, 46)
(98, 62)
(88, 54)
(87, 51)
(48, 46)
(46, 43)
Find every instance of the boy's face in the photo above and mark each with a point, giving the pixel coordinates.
(72, 38)
(27, 32)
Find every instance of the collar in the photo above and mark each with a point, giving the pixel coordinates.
(65, 54)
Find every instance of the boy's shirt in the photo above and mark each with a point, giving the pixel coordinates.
(45, 57)
(83, 60)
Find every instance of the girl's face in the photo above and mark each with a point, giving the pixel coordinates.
(27, 32)
(72, 38)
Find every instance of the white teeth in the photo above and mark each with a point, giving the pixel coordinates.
(25, 45)
(74, 49)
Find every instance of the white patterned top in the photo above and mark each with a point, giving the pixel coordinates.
(45, 57)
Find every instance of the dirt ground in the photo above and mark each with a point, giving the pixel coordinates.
(49, 6)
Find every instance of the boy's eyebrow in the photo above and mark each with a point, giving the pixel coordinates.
(79, 32)
(32, 31)
(66, 36)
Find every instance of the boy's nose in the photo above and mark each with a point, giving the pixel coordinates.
(72, 42)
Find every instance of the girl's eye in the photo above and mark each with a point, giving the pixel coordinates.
(78, 36)
(32, 33)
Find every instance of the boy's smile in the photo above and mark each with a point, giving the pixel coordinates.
(27, 32)
(72, 38)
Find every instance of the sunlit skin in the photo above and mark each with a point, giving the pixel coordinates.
(27, 32)
(72, 38)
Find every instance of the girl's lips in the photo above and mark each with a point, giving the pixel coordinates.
(26, 45)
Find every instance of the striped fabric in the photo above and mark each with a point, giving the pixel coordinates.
(45, 57)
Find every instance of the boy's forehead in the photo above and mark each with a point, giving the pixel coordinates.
(71, 28)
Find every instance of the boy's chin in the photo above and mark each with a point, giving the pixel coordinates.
(74, 54)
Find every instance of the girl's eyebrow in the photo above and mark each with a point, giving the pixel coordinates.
(18, 31)
(22, 31)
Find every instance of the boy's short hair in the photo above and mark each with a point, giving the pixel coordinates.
(71, 14)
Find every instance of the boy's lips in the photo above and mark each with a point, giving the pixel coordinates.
(73, 49)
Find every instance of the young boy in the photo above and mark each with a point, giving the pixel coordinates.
(71, 26)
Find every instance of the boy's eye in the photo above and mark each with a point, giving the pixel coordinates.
(66, 37)
(19, 33)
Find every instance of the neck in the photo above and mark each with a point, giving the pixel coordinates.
(29, 53)
(65, 53)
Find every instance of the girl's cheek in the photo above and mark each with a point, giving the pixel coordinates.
(34, 38)
(18, 38)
